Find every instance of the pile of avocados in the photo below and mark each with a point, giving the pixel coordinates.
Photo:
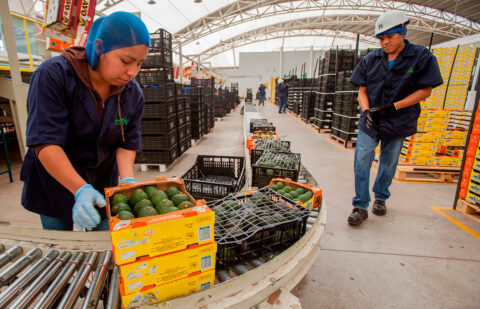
(298, 195)
(275, 160)
(274, 145)
(149, 201)
(241, 217)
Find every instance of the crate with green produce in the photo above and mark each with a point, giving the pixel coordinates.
(274, 165)
(304, 194)
(256, 223)
(268, 144)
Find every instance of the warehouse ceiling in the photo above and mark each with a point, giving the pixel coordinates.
(217, 30)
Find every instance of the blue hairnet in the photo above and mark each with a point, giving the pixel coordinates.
(399, 29)
(117, 30)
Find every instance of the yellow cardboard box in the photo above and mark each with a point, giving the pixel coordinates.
(475, 176)
(431, 127)
(453, 142)
(472, 198)
(413, 146)
(436, 121)
(445, 160)
(456, 134)
(416, 160)
(181, 287)
(474, 187)
(166, 268)
(438, 113)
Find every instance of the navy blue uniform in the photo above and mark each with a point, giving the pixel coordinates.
(62, 111)
(414, 68)
(282, 90)
(262, 90)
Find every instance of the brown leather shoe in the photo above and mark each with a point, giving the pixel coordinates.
(357, 216)
(379, 208)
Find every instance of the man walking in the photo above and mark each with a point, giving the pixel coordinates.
(282, 96)
(261, 98)
(393, 80)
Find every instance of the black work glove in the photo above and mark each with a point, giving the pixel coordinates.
(383, 110)
(368, 118)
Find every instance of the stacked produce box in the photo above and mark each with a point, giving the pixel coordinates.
(184, 132)
(346, 111)
(456, 64)
(435, 144)
(208, 85)
(163, 246)
(295, 95)
(159, 122)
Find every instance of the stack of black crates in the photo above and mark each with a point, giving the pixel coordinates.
(160, 144)
(208, 115)
(308, 99)
(184, 132)
(195, 97)
(346, 110)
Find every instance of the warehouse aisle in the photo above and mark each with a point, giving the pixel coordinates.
(225, 139)
(413, 257)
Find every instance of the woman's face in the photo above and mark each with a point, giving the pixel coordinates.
(120, 66)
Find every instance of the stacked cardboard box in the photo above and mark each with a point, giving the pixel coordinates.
(164, 256)
(456, 68)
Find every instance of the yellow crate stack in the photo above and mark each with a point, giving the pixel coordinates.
(456, 73)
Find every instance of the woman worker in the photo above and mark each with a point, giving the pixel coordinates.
(83, 126)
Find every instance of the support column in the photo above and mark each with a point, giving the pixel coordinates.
(19, 106)
(355, 57)
(180, 61)
(280, 74)
(310, 70)
(234, 60)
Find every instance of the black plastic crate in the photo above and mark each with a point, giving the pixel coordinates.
(346, 124)
(322, 124)
(159, 142)
(184, 145)
(188, 117)
(155, 76)
(161, 58)
(214, 177)
(181, 119)
(159, 93)
(346, 136)
(179, 90)
(157, 156)
(159, 126)
(159, 110)
(180, 104)
(256, 224)
(323, 115)
(269, 144)
(187, 104)
(160, 39)
(273, 165)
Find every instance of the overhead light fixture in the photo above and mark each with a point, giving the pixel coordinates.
(197, 1)
(198, 43)
(108, 4)
(151, 2)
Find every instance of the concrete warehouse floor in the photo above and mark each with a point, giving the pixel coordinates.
(412, 258)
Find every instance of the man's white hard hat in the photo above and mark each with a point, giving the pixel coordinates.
(280, 80)
(390, 20)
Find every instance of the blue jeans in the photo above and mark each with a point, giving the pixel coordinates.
(262, 100)
(282, 105)
(364, 155)
(51, 223)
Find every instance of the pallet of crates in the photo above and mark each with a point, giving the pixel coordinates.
(323, 112)
(215, 177)
(255, 224)
(197, 111)
(308, 106)
(219, 106)
(268, 144)
(273, 165)
(165, 228)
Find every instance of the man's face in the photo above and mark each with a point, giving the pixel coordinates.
(120, 66)
(391, 43)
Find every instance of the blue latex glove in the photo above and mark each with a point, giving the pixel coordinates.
(84, 214)
(128, 179)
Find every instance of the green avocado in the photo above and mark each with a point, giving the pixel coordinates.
(300, 190)
(141, 204)
(282, 192)
(147, 211)
(274, 187)
(120, 207)
(150, 190)
(164, 203)
(287, 189)
(172, 191)
(309, 194)
(157, 196)
(125, 215)
(119, 198)
(280, 185)
(269, 172)
(179, 198)
(137, 196)
(185, 204)
(294, 194)
(167, 209)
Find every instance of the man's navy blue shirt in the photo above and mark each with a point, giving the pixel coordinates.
(414, 68)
